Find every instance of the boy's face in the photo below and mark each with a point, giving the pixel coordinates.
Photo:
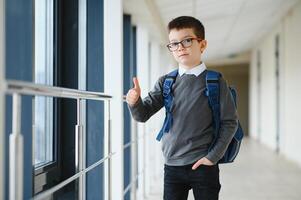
(187, 57)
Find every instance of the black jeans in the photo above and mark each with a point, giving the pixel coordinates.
(204, 181)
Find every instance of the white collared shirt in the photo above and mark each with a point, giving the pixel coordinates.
(197, 70)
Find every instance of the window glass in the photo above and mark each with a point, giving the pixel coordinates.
(43, 74)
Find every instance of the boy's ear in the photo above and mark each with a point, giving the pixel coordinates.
(203, 45)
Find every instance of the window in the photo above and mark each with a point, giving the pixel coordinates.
(56, 49)
(43, 74)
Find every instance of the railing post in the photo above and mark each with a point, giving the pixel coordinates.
(107, 151)
(16, 153)
(79, 152)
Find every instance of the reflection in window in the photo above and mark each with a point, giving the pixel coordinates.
(43, 74)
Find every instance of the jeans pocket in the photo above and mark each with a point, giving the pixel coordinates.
(208, 166)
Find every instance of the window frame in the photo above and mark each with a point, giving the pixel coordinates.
(43, 65)
(48, 175)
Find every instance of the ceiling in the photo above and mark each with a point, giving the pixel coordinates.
(232, 26)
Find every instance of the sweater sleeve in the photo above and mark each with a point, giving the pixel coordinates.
(152, 103)
(228, 123)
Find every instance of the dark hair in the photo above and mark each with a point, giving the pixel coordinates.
(187, 22)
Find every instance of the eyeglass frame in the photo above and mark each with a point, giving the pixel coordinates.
(181, 42)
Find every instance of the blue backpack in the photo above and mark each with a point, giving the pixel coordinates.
(212, 92)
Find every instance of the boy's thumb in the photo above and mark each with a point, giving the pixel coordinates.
(136, 83)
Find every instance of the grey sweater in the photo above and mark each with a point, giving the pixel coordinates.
(192, 132)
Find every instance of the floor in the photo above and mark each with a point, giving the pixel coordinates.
(257, 174)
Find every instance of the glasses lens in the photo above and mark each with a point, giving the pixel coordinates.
(187, 42)
(172, 46)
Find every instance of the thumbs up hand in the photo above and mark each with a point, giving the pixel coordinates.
(134, 93)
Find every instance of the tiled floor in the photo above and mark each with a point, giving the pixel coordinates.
(257, 174)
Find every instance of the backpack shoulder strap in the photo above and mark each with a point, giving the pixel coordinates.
(168, 82)
(213, 93)
(167, 98)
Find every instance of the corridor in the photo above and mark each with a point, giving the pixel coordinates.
(258, 174)
(66, 67)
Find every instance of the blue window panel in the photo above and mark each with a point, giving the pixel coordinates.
(127, 171)
(127, 84)
(134, 47)
(95, 109)
(19, 62)
(127, 195)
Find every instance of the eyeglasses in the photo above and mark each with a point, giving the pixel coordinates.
(187, 42)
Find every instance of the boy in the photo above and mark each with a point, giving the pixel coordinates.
(188, 162)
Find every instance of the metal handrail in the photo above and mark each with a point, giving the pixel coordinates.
(133, 182)
(72, 178)
(27, 88)
(132, 142)
(18, 88)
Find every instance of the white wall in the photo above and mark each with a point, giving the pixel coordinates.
(267, 132)
(151, 146)
(289, 30)
(154, 154)
(2, 46)
(292, 86)
(113, 73)
(253, 103)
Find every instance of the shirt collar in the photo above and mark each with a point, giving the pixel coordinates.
(197, 70)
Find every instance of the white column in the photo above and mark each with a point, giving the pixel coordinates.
(160, 63)
(291, 92)
(143, 76)
(154, 167)
(2, 62)
(113, 73)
